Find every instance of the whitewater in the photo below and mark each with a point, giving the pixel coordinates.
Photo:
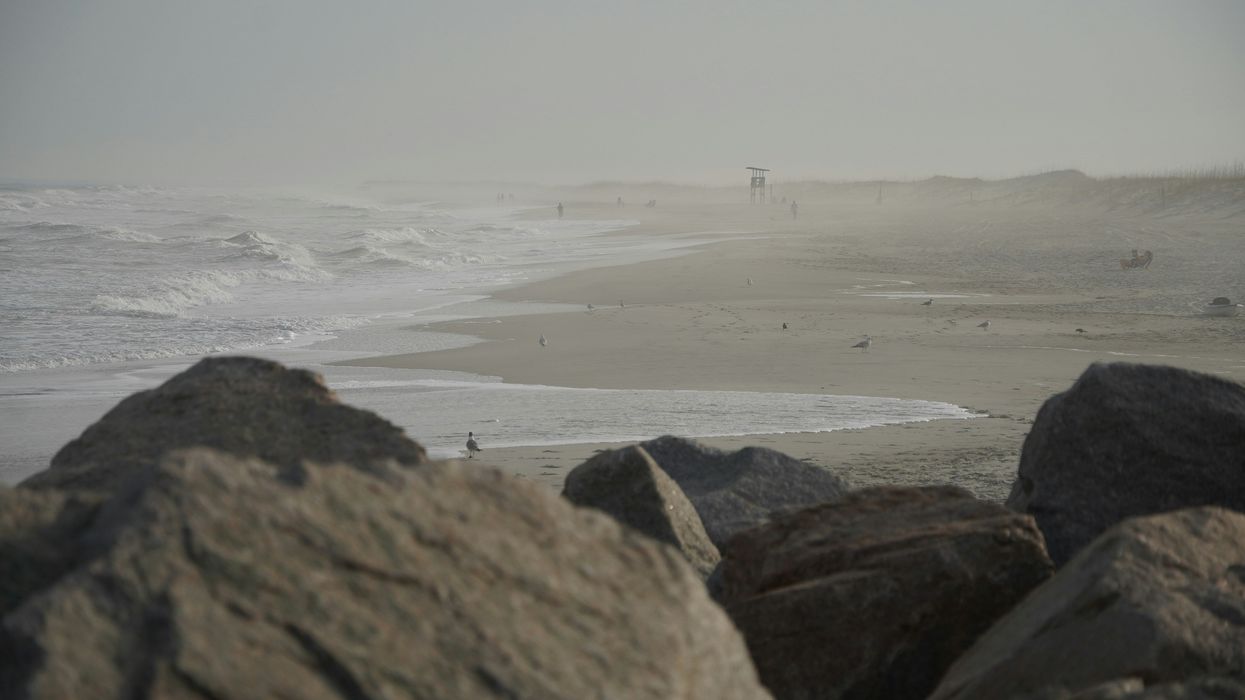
(106, 274)
(110, 290)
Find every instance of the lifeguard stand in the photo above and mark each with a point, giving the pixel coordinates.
(757, 193)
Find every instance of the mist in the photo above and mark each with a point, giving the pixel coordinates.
(155, 92)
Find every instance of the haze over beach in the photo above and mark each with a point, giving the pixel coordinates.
(142, 92)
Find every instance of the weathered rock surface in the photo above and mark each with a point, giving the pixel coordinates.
(241, 405)
(629, 486)
(37, 532)
(211, 576)
(1135, 689)
(736, 491)
(1130, 440)
(876, 595)
(1159, 598)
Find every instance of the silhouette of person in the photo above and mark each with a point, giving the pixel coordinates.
(559, 210)
(795, 210)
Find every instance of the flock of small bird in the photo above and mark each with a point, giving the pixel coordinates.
(864, 345)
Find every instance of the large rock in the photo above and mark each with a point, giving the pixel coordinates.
(1159, 598)
(629, 486)
(736, 491)
(241, 405)
(210, 576)
(1130, 440)
(876, 595)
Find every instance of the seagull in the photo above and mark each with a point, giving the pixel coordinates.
(784, 326)
(1080, 330)
(472, 446)
(591, 307)
(543, 342)
(928, 303)
(864, 344)
(984, 324)
(749, 281)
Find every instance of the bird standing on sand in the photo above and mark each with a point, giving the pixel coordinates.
(784, 326)
(984, 325)
(591, 307)
(472, 446)
(864, 344)
(543, 342)
(1080, 330)
(928, 303)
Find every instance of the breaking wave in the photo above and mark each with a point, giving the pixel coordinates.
(399, 235)
(128, 236)
(153, 339)
(382, 257)
(48, 230)
(298, 261)
(15, 201)
(171, 297)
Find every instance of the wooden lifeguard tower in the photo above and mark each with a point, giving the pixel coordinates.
(757, 193)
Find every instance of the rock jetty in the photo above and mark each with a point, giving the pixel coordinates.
(239, 532)
(242, 570)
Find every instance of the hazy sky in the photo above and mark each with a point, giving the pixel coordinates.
(267, 91)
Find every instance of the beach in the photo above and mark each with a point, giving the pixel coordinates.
(427, 309)
(844, 271)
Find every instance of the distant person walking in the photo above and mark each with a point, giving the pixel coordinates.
(795, 210)
(559, 210)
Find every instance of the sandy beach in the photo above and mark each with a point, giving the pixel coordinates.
(843, 271)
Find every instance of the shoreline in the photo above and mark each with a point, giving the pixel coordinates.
(693, 322)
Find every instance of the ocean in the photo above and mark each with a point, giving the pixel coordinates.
(108, 290)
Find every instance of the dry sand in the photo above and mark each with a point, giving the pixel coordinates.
(693, 322)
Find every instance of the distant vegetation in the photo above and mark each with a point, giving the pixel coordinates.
(1235, 171)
